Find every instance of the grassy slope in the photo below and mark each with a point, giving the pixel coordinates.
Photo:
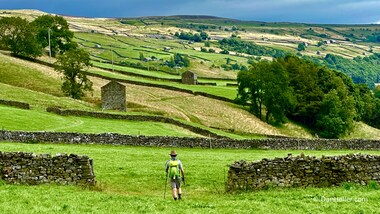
(150, 103)
(35, 84)
(141, 100)
(13, 72)
(25, 120)
(127, 187)
(195, 109)
(40, 100)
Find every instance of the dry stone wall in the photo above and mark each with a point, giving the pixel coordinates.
(29, 168)
(119, 139)
(303, 171)
(16, 104)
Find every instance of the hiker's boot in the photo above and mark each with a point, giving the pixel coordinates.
(179, 196)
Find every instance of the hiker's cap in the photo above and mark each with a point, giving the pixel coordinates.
(173, 153)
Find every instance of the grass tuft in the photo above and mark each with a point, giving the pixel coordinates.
(373, 185)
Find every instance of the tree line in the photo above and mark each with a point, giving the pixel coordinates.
(30, 39)
(360, 69)
(196, 37)
(324, 100)
(236, 44)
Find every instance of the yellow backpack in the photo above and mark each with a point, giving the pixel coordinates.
(174, 169)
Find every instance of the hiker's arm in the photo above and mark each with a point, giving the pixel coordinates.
(183, 172)
(181, 169)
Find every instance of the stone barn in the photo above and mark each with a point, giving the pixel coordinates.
(114, 96)
(189, 77)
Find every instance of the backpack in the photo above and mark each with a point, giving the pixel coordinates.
(174, 169)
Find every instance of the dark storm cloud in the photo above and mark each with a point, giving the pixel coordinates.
(309, 11)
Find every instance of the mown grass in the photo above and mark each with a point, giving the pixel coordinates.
(132, 180)
(137, 71)
(40, 100)
(26, 120)
(30, 120)
(158, 74)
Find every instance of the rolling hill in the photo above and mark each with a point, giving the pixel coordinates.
(116, 47)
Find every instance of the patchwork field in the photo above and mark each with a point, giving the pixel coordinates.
(199, 111)
(132, 179)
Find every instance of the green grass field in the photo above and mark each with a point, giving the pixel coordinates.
(39, 100)
(32, 120)
(132, 180)
(26, 120)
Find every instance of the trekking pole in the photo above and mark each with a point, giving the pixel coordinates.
(184, 184)
(166, 182)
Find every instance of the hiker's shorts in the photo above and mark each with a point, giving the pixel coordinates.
(175, 183)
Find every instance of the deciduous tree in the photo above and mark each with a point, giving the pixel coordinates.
(71, 64)
(60, 34)
(336, 115)
(19, 36)
(266, 88)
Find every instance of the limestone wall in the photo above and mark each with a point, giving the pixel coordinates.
(303, 171)
(119, 139)
(29, 168)
(15, 104)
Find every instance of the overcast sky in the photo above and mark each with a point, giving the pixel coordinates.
(306, 11)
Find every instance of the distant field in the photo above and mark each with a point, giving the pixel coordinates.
(151, 73)
(127, 48)
(228, 92)
(132, 180)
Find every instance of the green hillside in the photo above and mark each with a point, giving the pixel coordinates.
(132, 50)
(117, 46)
(24, 120)
(40, 94)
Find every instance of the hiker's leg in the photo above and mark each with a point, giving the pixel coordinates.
(179, 193)
(174, 191)
(179, 189)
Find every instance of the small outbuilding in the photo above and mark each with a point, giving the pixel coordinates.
(189, 77)
(114, 96)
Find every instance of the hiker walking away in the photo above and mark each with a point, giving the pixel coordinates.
(174, 170)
